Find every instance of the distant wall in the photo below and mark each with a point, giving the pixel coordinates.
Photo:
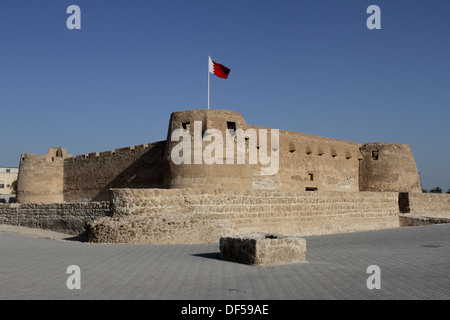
(313, 163)
(89, 177)
(67, 218)
(430, 204)
(408, 220)
(199, 216)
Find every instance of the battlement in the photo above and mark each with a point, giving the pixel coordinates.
(124, 150)
(54, 153)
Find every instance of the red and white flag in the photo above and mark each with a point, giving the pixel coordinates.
(218, 69)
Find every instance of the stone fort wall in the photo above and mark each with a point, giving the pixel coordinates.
(433, 205)
(197, 216)
(70, 218)
(312, 163)
(316, 189)
(306, 162)
(66, 179)
(89, 177)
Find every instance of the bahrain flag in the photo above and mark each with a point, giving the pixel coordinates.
(217, 69)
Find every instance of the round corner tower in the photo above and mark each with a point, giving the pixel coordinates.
(388, 167)
(203, 128)
(41, 177)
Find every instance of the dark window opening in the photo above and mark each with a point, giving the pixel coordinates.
(310, 189)
(291, 147)
(59, 153)
(375, 154)
(8, 170)
(231, 125)
(403, 202)
(186, 125)
(333, 153)
(311, 177)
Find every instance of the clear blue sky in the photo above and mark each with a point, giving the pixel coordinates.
(301, 65)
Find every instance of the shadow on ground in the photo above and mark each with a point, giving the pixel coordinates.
(79, 238)
(208, 255)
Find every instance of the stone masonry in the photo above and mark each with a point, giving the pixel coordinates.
(198, 216)
(141, 195)
(262, 249)
(69, 218)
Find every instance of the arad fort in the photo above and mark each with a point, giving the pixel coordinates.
(217, 175)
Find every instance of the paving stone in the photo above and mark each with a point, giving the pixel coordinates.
(414, 264)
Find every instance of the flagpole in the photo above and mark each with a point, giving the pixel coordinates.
(208, 80)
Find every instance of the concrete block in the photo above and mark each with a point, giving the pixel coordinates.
(263, 249)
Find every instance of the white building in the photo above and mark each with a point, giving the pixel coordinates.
(7, 176)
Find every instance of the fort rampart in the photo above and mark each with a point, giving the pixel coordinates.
(145, 194)
(304, 163)
(89, 177)
(433, 205)
(68, 218)
(199, 216)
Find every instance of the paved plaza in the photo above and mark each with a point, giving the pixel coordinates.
(414, 264)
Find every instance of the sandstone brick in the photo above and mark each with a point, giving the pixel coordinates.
(263, 249)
